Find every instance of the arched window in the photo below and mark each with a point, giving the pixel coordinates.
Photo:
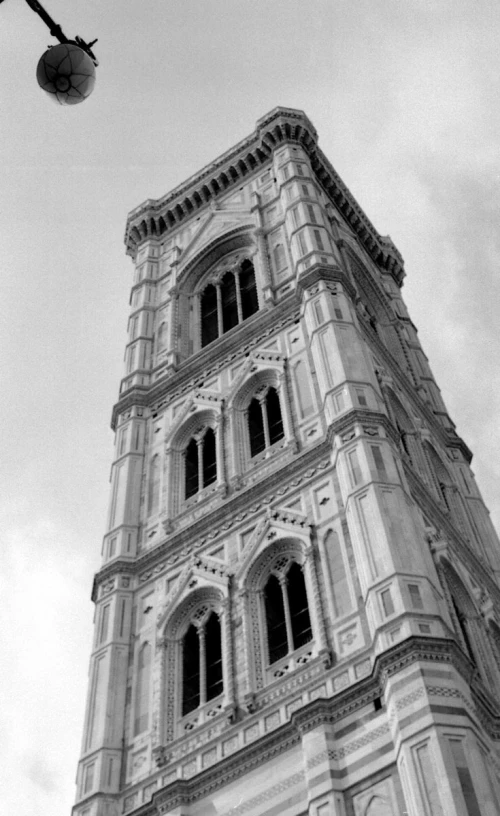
(201, 663)
(200, 463)
(229, 302)
(209, 323)
(288, 622)
(265, 424)
(141, 719)
(248, 290)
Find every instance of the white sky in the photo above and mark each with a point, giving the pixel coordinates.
(404, 95)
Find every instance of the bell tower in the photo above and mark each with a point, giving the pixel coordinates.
(298, 608)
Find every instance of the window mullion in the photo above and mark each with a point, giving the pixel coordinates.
(288, 619)
(199, 443)
(263, 408)
(220, 324)
(238, 296)
(203, 666)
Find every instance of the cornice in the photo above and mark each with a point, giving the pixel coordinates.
(192, 372)
(326, 711)
(319, 272)
(231, 511)
(156, 217)
(226, 513)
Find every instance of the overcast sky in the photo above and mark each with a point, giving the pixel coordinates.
(404, 95)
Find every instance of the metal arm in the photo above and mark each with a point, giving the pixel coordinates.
(56, 30)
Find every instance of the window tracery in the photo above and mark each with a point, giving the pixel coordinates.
(227, 300)
(264, 420)
(201, 662)
(286, 608)
(196, 664)
(200, 462)
(285, 627)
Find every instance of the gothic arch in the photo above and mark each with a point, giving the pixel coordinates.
(176, 625)
(377, 313)
(193, 427)
(237, 245)
(192, 424)
(408, 435)
(197, 608)
(258, 387)
(440, 476)
(192, 273)
(467, 621)
(278, 559)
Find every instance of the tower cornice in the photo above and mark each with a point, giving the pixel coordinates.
(156, 217)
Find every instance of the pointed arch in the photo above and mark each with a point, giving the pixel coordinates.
(467, 621)
(285, 621)
(197, 671)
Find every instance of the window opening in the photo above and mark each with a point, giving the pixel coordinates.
(275, 620)
(287, 613)
(200, 463)
(191, 670)
(214, 657)
(265, 424)
(202, 664)
(191, 469)
(228, 303)
(209, 458)
(274, 420)
(209, 330)
(248, 289)
(299, 611)
(256, 428)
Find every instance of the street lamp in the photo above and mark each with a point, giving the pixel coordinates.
(66, 72)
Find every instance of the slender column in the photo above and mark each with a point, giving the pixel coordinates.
(320, 634)
(174, 318)
(220, 324)
(158, 714)
(265, 423)
(286, 409)
(238, 296)
(219, 445)
(199, 444)
(264, 267)
(227, 653)
(288, 617)
(203, 665)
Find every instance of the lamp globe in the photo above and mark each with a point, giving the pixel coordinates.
(66, 73)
